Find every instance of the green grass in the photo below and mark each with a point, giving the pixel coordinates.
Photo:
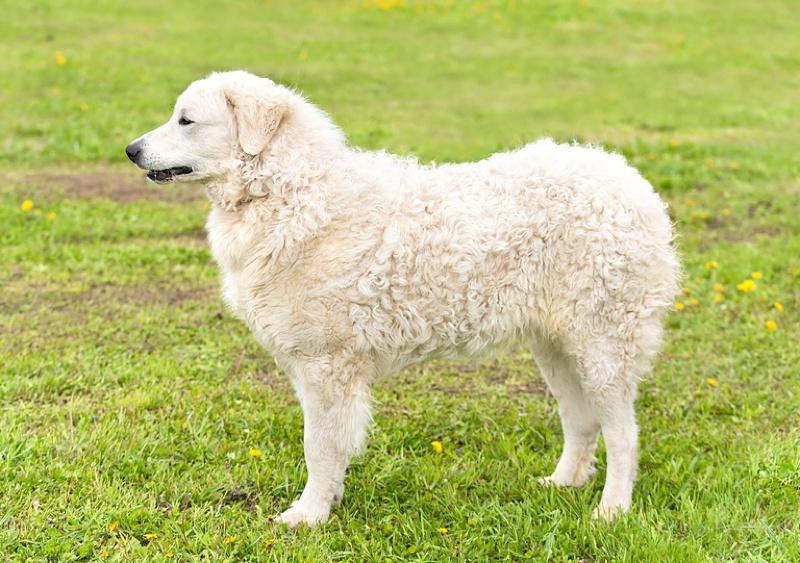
(128, 395)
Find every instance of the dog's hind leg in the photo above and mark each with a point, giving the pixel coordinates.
(610, 376)
(336, 411)
(578, 420)
(620, 433)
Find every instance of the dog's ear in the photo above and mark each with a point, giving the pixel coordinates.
(257, 118)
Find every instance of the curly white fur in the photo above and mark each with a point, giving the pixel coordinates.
(348, 265)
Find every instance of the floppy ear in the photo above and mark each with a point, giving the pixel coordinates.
(257, 119)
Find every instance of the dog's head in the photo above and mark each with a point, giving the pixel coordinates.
(214, 121)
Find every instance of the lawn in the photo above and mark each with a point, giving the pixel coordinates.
(140, 421)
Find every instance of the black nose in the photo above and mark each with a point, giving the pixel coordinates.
(133, 150)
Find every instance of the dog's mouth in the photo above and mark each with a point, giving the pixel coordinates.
(168, 175)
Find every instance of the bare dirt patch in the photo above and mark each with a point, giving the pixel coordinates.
(113, 183)
(27, 296)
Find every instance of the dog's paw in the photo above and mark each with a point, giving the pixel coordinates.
(548, 481)
(558, 481)
(304, 513)
(608, 512)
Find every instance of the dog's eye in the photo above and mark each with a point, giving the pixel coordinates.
(184, 121)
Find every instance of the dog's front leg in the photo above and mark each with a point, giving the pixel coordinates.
(336, 411)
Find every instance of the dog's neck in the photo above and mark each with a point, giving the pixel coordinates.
(283, 198)
(234, 189)
(297, 161)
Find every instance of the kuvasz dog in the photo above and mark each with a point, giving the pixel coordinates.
(348, 265)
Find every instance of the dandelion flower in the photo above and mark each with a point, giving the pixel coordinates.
(779, 307)
(437, 446)
(443, 531)
(151, 536)
(771, 325)
(756, 275)
(105, 554)
(694, 302)
(679, 306)
(113, 527)
(388, 4)
(719, 288)
(686, 291)
(747, 286)
(712, 265)
(255, 452)
(230, 539)
(206, 205)
(51, 216)
(719, 298)
(27, 205)
(713, 382)
(60, 58)
(674, 142)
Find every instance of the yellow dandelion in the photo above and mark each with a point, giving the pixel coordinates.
(113, 527)
(437, 446)
(105, 554)
(771, 325)
(693, 302)
(712, 265)
(27, 205)
(679, 306)
(206, 205)
(84, 106)
(151, 536)
(51, 216)
(60, 58)
(686, 291)
(269, 542)
(230, 539)
(443, 531)
(713, 382)
(674, 142)
(388, 4)
(779, 307)
(747, 286)
(255, 452)
(756, 275)
(719, 288)
(719, 298)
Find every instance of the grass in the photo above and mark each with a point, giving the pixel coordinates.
(129, 398)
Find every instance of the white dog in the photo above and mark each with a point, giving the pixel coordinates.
(348, 265)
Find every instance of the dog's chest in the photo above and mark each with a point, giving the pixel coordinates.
(256, 289)
(235, 245)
